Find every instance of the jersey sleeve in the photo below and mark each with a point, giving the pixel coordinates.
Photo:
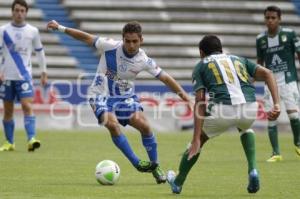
(259, 52)
(103, 43)
(296, 42)
(37, 44)
(197, 79)
(151, 67)
(251, 67)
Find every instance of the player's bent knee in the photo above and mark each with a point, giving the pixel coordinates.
(27, 108)
(112, 126)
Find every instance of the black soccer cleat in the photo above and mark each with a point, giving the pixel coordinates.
(146, 166)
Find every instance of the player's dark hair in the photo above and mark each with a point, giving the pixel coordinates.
(20, 2)
(132, 27)
(210, 44)
(273, 9)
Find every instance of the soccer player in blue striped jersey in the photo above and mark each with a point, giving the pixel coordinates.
(112, 96)
(276, 49)
(17, 41)
(232, 103)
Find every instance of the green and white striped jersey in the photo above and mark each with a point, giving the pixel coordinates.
(278, 53)
(226, 78)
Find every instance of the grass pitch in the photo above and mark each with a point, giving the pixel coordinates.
(64, 168)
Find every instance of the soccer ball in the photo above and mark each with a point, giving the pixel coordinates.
(107, 172)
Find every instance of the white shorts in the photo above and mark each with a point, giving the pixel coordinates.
(289, 95)
(223, 117)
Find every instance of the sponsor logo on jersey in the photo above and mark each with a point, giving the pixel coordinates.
(283, 38)
(150, 62)
(123, 67)
(129, 101)
(276, 60)
(275, 49)
(25, 86)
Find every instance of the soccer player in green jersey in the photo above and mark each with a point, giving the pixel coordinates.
(276, 50)
(232, 103)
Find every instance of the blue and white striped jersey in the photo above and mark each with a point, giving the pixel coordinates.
(116, 72)
(16, 46)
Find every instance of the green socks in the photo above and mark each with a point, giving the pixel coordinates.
(295, 125)
(248, 142)
(184, 167)
(273, 136)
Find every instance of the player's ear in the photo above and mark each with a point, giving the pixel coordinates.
(202, 54)
(142, 39)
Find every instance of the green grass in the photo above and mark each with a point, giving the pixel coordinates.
(64, 168)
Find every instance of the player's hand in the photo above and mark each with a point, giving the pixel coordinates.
(191, 105)
(194, 148)
(52, 25)
(44, 79)
(274, 113)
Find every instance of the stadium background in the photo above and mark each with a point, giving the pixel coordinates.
(172, 30)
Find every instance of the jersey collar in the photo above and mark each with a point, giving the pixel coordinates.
(18, 26)
(277, 33)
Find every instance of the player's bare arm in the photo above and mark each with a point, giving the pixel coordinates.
(75, 33)
(266, 75)
(175, 87)
(199, 113)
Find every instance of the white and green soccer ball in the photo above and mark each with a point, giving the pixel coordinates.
(107, 172)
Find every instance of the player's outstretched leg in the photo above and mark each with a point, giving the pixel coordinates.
(141, 165)
(122, 143)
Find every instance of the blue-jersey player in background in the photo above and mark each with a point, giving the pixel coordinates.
(17, 41)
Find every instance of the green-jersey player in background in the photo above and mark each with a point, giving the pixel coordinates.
(276, 50)
(232, 103)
